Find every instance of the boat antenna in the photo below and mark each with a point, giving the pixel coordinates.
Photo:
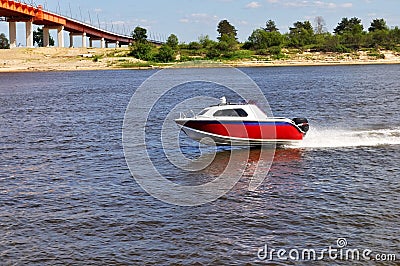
(223, 100)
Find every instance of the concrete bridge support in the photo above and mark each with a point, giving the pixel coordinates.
(102, 41)
(117, 44)
(29, 34)
(84, 45)
(92, 39)
(60, 36)
(12, 29)
(46, 36)
(71, 39)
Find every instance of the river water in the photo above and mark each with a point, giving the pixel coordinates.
(67, 196)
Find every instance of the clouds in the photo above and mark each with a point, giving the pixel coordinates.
(200, 18)
(302, 3)
(306, 3)
(253, 5)
(332, 5)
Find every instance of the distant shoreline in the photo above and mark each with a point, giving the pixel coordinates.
(84, 59)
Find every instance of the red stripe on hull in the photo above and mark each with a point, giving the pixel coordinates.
(253, 131)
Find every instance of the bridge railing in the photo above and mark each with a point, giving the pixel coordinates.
(81, 21)
(90, 25)
(99, 26)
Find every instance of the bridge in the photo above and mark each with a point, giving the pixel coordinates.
(15, 11)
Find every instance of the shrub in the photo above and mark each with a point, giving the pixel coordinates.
(165, 54)
(213, 53)
(142, 51)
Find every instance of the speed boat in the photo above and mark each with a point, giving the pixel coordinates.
(241, 124)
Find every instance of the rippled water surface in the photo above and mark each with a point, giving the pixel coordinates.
(67, 196)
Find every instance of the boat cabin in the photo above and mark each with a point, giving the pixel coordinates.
(233, 112)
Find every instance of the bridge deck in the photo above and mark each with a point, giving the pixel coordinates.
(19, 12)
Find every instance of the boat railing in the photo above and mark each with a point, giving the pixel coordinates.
(182, 115)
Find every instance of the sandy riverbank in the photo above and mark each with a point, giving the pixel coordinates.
(62, 59)
(71, 59)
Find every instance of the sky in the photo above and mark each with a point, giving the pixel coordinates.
(189, 19)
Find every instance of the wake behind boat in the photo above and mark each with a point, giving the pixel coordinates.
(241, 124)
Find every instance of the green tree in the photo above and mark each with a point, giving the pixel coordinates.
(142, 51)
(261, 39)
(270, 26)
(352, 40)
(4, 44)
(206, 43)
(379, 35)
(394, 36)
(226, 28)
(38, 38)
(165, 54)
(172, 41)
(194, 46)
(276, 52)
(139, 34)
(227, 43)
(350, 32)
(141, 48)
(352, 25)
(301, 34)
(326, 42)
(213, 53)
(379, 39)
(378, 24)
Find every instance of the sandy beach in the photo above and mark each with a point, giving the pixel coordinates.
(72, 59)
(62, 59)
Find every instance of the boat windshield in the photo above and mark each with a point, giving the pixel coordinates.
(203, 112)
(231, 112)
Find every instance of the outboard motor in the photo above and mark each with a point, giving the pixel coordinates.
(302, 123)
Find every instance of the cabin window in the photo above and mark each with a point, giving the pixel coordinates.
(231, 112)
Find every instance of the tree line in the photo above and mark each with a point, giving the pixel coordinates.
(348, 36)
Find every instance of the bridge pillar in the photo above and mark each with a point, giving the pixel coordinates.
(102, 43)
(90, 42)
(71, 40)
(12, 28)
(84, 40)
(60, 36)
(117, 44)
(29, 34)
(46, 36)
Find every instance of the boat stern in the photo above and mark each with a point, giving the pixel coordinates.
(302, 124)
